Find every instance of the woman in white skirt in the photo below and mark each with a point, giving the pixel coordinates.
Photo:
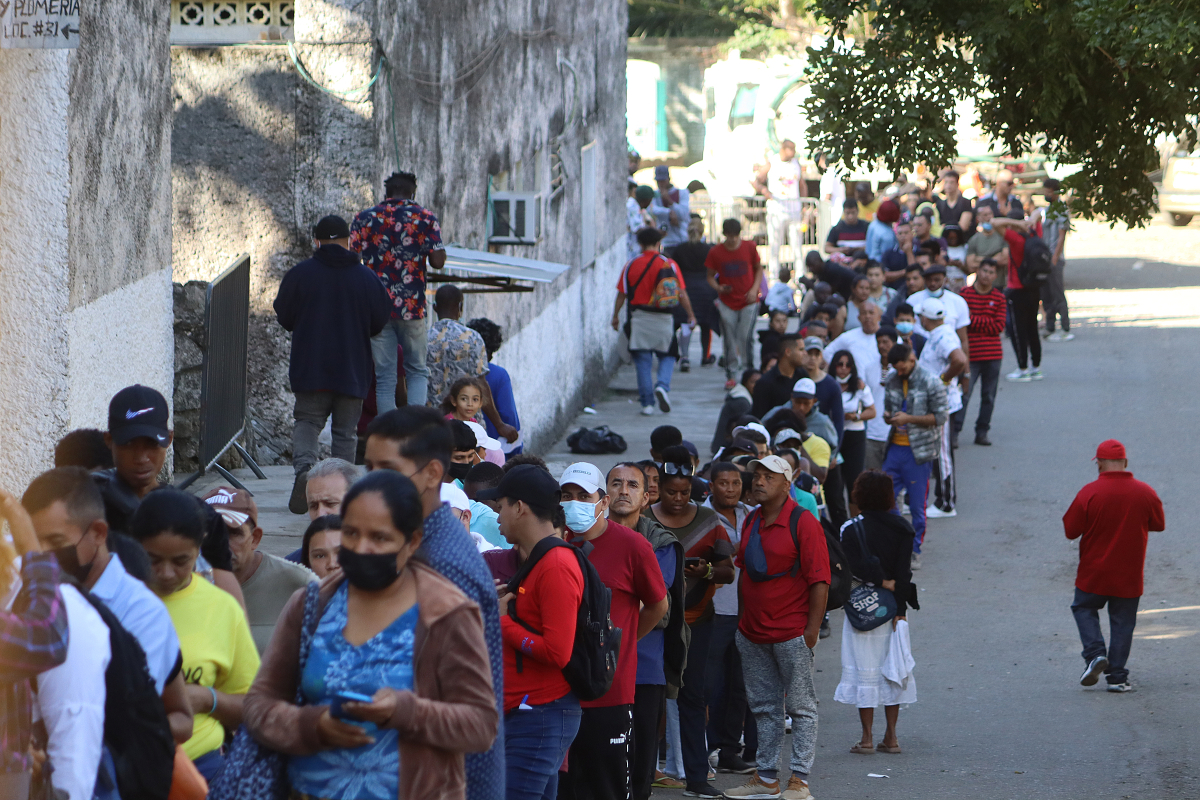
(876, 664)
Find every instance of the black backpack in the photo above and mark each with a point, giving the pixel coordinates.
(755, 558)
(1036, 263)
(136, 730)
(594, 441)
(597, 643)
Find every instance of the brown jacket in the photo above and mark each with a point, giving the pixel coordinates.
(451, 711)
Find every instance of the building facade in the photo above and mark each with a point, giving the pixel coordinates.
(304, 109)
(85, 227)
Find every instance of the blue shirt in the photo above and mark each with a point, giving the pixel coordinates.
(506, 406)
(650, 668)
(486, 523)
(880, 239)
(370, 772)
(449, 549)
(143, 615)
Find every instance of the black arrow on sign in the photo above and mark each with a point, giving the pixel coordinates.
(67, 30)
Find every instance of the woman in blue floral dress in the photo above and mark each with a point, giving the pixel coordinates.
(423, 662)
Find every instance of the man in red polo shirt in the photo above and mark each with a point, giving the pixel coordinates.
(1112, 517)
(784, 589)
(735, 274)
(598, 764)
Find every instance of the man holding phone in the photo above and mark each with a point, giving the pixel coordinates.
(708, 555)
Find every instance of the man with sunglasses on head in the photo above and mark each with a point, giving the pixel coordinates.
(708, 563)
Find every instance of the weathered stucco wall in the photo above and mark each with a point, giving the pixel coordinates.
(84, 228)
(259, 155)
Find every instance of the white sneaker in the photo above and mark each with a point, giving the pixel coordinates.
(1068, 337)
(915, 561)
(647, 411)
(1060, 336)
(933, 512)
(1036, 374)
(1021, 375)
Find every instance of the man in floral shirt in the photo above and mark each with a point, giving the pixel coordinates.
(455, 351)
(398, 239)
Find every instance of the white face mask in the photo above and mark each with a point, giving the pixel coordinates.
(843, 380)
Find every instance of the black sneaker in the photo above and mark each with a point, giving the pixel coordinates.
(664, 400)
(702, 790)
(685, 365)
(298, 502)
(732, 763)
(981, 438)
(824, 633)
(708, 361)
(1094, 670)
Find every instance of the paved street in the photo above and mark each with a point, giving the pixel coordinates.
(1000, 713)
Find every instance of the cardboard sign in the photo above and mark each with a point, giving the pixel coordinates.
(39, 24)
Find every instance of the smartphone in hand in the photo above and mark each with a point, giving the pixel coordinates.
(335, 708)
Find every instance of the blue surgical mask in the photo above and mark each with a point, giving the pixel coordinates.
(986, 226)
(938, 293)
(904, 327)
(580, 516)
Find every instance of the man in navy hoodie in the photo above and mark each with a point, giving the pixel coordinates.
(332, 305)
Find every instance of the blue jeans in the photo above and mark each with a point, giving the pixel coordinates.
(535, 743)
(906, 473)
(1122, 616)
(643, 360)
(413, 336)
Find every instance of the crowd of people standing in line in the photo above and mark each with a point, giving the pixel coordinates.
(459, 622)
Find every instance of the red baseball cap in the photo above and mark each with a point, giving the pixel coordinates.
(1110, 449)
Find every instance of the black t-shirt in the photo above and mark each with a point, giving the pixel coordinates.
(853, 236)
(773, 389)
(949, 214)
(690, 258)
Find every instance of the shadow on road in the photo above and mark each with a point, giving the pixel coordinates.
(1127, 272)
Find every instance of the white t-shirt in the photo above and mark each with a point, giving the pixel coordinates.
(857, 401)
(957, 313)
(865, 350)
(935, 357)
(71, 697)
(784, 178)
(833, 188)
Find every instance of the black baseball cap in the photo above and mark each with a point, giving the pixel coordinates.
(935, 269)
(528, 483)
(331, 227)
(137, 411)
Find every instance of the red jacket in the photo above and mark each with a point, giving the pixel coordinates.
(1114, 514)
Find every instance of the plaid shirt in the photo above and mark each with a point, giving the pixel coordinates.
(33, 639)
(394, 238)
(926, 395)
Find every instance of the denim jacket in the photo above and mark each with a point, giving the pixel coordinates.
(926, 395)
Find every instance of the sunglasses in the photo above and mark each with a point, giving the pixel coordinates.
(670, 468)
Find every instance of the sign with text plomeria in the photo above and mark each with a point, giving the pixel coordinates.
(39, 24)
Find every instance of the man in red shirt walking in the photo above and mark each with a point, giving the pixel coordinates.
(1112, 517)
(735, 273)
(784, 585)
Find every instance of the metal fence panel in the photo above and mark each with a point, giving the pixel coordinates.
(799, 222)
(223, 386)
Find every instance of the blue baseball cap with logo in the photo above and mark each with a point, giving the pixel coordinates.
(139, 411)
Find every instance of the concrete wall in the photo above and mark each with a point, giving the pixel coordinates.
(84, 233)
(259, 155)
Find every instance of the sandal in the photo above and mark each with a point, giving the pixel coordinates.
(858, 749)
(893, 749)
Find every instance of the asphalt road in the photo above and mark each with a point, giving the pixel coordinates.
(1000, 713)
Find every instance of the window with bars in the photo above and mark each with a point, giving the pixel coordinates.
(208, 22)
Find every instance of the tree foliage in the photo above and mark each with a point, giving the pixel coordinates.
(1089, 82)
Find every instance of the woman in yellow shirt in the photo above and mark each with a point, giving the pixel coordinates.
(219, 656)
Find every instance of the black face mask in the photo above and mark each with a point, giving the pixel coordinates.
(459, 471)
(68, 562)
(370, 572)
